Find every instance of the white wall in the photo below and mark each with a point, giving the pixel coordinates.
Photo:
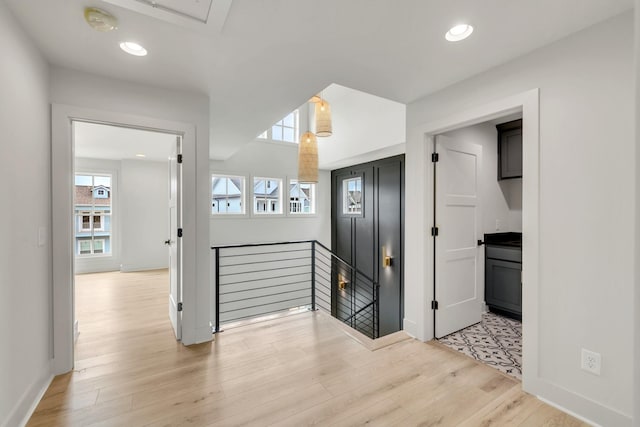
(500, 200)
(271, 160)
(586, 186)
(25, 266)
(111, 97)
(144, 195)
(362, 123)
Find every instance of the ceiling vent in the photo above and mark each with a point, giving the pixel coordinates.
(182, 12)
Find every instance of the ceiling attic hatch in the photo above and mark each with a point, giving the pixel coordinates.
(191, 13)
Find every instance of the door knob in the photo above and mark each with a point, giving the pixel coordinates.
(167, 242)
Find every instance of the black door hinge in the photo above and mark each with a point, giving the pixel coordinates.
(179, 232)
(434, 305)
(434, 231)
(179, 158)
(179, 306)
(435, 157)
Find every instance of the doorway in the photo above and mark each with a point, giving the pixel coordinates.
(478, 242)
(126, 218)
(367, 231)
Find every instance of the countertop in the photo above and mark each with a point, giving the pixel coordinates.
(508, 239)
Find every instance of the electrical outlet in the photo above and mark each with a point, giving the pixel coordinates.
(591, 361)
(498, 225)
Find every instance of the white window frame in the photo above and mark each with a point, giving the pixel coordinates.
(314, 200)
(267, 135)
(345, 197)
(91, 213)
(243, 196)
(268, 212)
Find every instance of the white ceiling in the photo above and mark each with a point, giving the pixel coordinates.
(97, 141)
(264, 58)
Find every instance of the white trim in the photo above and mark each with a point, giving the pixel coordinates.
(28, 402)
(195, 297)
(420, 143)
(267, 214)
(243, 196)
(313, 199)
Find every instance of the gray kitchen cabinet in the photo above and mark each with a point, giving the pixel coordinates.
(503, 287)
(510, 150)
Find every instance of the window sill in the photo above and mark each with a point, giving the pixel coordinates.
(228, 216)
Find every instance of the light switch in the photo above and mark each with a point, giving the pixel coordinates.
(42, 236)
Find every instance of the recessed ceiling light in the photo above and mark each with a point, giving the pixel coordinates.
(133, 48)
(459, 32)
(140, 155)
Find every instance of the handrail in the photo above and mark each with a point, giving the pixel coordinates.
(344, 262)
(248, 245)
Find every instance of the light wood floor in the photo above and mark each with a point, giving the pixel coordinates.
(294, 371)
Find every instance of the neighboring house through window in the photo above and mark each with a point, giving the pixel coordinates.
(267, 196)
(302, 198)
(93, 212)
(227, 194)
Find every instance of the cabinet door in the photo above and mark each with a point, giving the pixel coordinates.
(503, 288)
(510, 154)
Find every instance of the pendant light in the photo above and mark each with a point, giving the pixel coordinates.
(308, 158)
(323, 118)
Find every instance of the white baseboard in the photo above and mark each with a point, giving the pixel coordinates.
(410, 327)
(29, 400)
(132, 268)
(584, 409)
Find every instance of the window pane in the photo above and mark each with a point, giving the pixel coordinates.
(352, 196)
(301, 197)
(92, 206)
(276, 133)
(289, 120)
(227, 194)
(288, 135)
(266, 196)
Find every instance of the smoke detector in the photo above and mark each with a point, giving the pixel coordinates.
(100, 20)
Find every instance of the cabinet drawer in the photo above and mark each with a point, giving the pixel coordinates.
(507, 254)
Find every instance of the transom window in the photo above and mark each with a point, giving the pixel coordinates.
(227, 194)
(267, 196)
(302, 198)
(286, 130)
(93, 213)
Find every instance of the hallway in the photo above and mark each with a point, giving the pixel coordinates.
(295, 370)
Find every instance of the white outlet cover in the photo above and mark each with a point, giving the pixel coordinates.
(591, 361)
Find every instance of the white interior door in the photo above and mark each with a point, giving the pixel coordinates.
(174, 242)
(458, 287)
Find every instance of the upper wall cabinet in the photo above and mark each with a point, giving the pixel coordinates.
(510, 150)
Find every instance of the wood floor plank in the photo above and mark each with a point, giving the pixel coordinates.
(289, 371)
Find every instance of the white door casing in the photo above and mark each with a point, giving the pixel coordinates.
(458, 287)
(174, 242)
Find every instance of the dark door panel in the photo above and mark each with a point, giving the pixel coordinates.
(358, 237)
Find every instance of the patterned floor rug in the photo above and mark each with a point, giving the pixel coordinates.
(496, 341)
